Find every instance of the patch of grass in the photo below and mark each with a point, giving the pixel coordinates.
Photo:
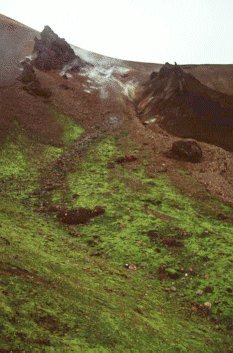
(136, 204)
(70, 301)
(23, 160)
(71, 130)
(61, 293)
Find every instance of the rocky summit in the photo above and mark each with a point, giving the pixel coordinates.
(186, 107)
(51, 51)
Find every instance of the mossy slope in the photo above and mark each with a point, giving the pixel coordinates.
(66, 293)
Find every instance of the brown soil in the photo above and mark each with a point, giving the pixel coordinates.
(6, 269)
(214, 174)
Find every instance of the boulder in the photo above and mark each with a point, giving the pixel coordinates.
(28, 73)
(51, 51)
(31, 83)
(188, 150)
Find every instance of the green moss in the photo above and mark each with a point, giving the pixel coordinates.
(71, 131)
(24, 160)
(12, 167)
(60, 293)
(136, 204)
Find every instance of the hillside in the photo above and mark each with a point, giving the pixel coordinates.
(108, 242)
(185, 107)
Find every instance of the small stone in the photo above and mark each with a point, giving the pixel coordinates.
(194, 308)
(173, 289)
(208, 305)
(208, 289)
(139, 242)
(199, 292)
(132, 267)
(192, 271)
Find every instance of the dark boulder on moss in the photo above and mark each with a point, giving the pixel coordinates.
(80, 215)
(187, 150)
(51, 51)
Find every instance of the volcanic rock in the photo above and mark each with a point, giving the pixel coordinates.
(187, 150)
(153, 75)
(28, 73)
(31, 83)
(52, 52)
(185, 107)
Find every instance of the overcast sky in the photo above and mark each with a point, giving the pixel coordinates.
(186, 31)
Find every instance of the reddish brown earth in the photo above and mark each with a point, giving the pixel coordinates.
(110, 107)
(6, 269)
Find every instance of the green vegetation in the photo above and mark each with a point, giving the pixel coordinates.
(71, 131)
(67, 289)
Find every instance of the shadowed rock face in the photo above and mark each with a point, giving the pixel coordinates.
(185, 107)
(52, 52)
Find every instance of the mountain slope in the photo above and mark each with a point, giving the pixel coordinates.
(187, 108)
(152, 270)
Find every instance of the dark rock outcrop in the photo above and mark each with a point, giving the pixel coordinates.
(31, 83)
(185, 107)
(28, 73)
(187, 150)
(51, 51)
(153, 75)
